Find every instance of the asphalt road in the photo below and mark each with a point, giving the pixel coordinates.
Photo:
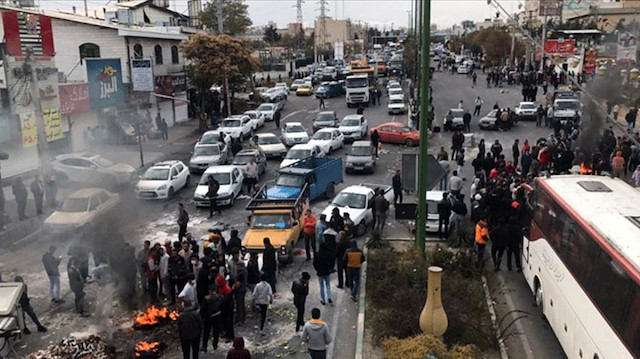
(155, 220)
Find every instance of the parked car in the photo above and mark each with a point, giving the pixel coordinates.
(294, 133)
(268, 110)
(396, 92)
(361, 157)
(325, 119)
(328, 139)
(394, 132)
(216, 137)
(91, 169)
(396, 105)
(230, 179)
(163, 179)
(257, 119)
(239, 127)
(489, 122)
(283, 86)
(243, 157)
(457, 123)
(355, 201)
(271, 145)
(526, 111)
(82, 209)
(354, 127)
(306, 89)
(433, 197)
(299, 152)
(205, 156)
(296, 83)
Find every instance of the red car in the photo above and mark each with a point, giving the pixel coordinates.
(395, 132)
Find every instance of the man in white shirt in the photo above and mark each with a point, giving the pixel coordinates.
(455, 183)
(252, 175)
(188, 293)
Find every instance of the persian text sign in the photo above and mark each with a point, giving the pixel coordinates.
(590, 61)
(52, 126)
(142, 75)
(105, 83)
(74, 98)
(560, 47)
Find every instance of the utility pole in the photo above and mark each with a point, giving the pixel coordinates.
(42, 144)
(86, 10)
(220, 16)
(425, 44)
(544, 42)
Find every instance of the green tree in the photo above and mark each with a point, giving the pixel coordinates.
(496, 43)
(270, 35)
(235, 21)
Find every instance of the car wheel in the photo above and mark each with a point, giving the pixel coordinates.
(187, 183)
(251, 133)
(361, 229)
(170, 193)
(331, 190)
(233, 199)
(409, 142)
(330, 150)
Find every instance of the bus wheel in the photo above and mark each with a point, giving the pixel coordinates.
(539, 295)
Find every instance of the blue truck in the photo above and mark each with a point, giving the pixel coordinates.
(329, 89)
(319, 174)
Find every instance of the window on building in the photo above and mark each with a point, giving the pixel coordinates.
(89, 50)
(175, 56)
(137, 51)
(158, 53)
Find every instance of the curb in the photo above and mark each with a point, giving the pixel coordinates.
(361, 307)
(492, 311)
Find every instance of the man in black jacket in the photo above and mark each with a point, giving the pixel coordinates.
(51, 264)
(341, 248)
(20, 193)
(300, 290)
(211, 317)
(183, 221)
(444, 213)
(212, 194)
(513, 243)
(25, 303)
(270, 263)
(234, 241)
(189, 328)
(323, 263)
(397, 187)
(499, 237)
(253, 271)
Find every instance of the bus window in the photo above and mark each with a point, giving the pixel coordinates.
(631, 334)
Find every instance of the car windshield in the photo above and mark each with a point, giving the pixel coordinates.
(322, 135)
(210, 137)
(565, 105)
(457, 113)
(396, 101)
(231, 123)
(252, 115)
(395, 92)
(350, 122)
(74, 205)
(222, 178)
(156, 174)
(289, 180)
(325, 117)
(206, 151)
(394, 85)
(527, 106)
(242, 159)
(358, 82)
(276, 221)
(265, 107)
(360, 151)
(294, 129)
(102, 162)
(268, 140)
(351, 200)
(305, 86)
(297, 154)
(493, 113)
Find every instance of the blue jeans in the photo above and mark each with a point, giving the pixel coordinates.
(354, 278)
(54, 287)
(443, 183)
(324, 280)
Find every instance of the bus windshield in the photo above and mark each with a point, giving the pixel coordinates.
(357, 82)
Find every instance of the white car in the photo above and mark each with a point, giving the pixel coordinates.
(282, 85)
(91, 169)
(239, 127)
(396, 104)
(393, 85)
(354, 127)
(457, 123)
(230, 179)
(163, 179)
(83, 208)
(211, 137)
(299, 152)
(294, 133)
(268, 110)
(328, 139)
(489, 121)
(296, 84)
(396, 92)
(271, 145)
(527, 111)
(464, 69)
(205, 156)
(257, 118)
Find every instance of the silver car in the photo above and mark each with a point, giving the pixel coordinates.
(361, 157)
(325, 119)
(92, 169)
(205, 156)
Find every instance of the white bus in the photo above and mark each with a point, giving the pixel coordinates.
(582, 262)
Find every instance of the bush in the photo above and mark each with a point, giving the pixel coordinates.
(375, 240)
(420, 346)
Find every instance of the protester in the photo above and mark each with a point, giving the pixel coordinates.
(20, 193)
(323, 264)
(270, 263)
(51, 264)
(354, 259)
(189, 329)
(262, 297)
(341, 248)
(238, 351)
(317, 335)
(397, 187)
(38, 193)
(183, 221)
(300, 290)
(309, 224)
(211, 314)
(25, 303)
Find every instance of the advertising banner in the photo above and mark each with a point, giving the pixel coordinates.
(23, 30)
(171, 84)
(105, 83)
(74, 98)
(590, 61)
(627, 48)
(142, 75)
(52, 125)
(560, 47)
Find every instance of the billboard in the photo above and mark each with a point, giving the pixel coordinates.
(105, 83)
(52, 126)
(550, 8)
(23, 30)
(627, 48)
(142, 75)
(560, 47)
(74, 98)
(590, 61)
(171, 84)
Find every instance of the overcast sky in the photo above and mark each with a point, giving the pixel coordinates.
(376, 12)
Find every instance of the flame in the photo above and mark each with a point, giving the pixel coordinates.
(585, 169)
(153, 315)
(142, 347)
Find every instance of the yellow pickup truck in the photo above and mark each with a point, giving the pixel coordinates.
(276, 219)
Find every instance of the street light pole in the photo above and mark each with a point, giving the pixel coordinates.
(41, 139)
(424, 120)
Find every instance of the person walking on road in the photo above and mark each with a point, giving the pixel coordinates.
(51, 264)
(323, 264)
(213, 186)
(164, 130)
(378, 96)
(262, 297)
(211, 317)
(321, 226)
(375, 141)
(240, 292)
(76, 283)
(183, 221)
(354, 259)
(515, 149)
(38, 193)
(478, 106)
(269, 264)
(317, 335)
(499, 239)
(300, 290)
(382, 209)
(397, 187)
(252, 175)
(474, 78)
(277, 115)
(189, 328)
(514, 241)
(322, 105)
(457, 140)
(460, 163)
(309, 223)
(21, 194)
(25, 303)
